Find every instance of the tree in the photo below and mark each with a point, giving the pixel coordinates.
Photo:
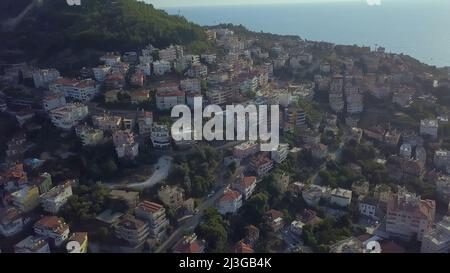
(214, 230)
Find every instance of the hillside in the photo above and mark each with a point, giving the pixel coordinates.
(97, 24)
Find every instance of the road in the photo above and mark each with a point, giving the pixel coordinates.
(161, 172)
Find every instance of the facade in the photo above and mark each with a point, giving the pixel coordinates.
(274, 219)
(443, 188)
(107, 122)
(155, 215)
(140, 96)
(100, 72)
(43, 182)
(189, 244)
(280, 154)
(145, 123)
(88, 135)
(230, 202)
(80, 90)
(169, 95)
(261, 165)
(198, 71)
(246, 186)
(294, 118)
(11, 222)
(161, 67)
(26, 199)
(368, 207)
(409, 215)
(190, 85)
(52, 228)
(68, 116)
(160, 136)
(340, 197)
(132, 230)
(53, 200)
(53, 101)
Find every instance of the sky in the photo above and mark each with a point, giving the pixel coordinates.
(180, 3)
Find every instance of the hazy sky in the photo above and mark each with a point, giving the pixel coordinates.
(174, 3)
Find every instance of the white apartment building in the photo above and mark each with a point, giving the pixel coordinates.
(54, 199)
(83, 90)
(100, 72)
(43, 77)
(166, 100)
(160, 136)
(69, 115)
(132, 230)
(190, 85)
(198, 71)
(110, 59)
(246, 186)
(441, 159)
(245, 149)
(155, 215)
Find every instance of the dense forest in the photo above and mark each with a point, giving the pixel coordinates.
(119, 25)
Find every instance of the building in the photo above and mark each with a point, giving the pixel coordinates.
(53, 229)
(161, 67)
(408, 215)
(189, 244)
(132, 230)
(80, 90)
(319, 151)
(171, 196)
(11, 222)
(208, 58)
(219, 94)
(81, 238)
(68, 116)
(340, 197)
(43, 182)
(131, 198)
(245, 149)
(229, 202)
(110, 58)
(126, 146)
(198, 71)
(107, 122)
(246, 186)
(406, 150)
(349, 245)
(155, 215)
(354, 99)
(313, 194)
(160, 136)
(145, 123)
(32, 244)
(280, 154)
(429, 127)
(53, 101)
(368, 207)
(261, 165)
(169, 95)
(43, 77)
(274, 219)
(190, 85)
(88, 135)
(441, 159)
(54, 199)
(242, 247)
(171, 53)
(437, 240)
(443, 188)
(294, 118)
(26, 199)
(138, 97)
(100, 72)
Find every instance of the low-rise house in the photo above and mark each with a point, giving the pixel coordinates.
(26, 199)
(138, 97)
(155, 215)
(132, 230)
(261, 165)
(171, 196)
(189, 245)
(246, 186)
(11, 222)
(242, 247)
(190, 85)
(274, 219)
(52, 228)
(68, 116)
(54, 199)
(230, 202)
(32, 244)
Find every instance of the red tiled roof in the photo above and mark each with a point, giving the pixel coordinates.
(274, 214)
(248, 181)
(242, 247)
(230, 195)
(150, 206)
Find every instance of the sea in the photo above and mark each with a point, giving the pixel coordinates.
(419, 28)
